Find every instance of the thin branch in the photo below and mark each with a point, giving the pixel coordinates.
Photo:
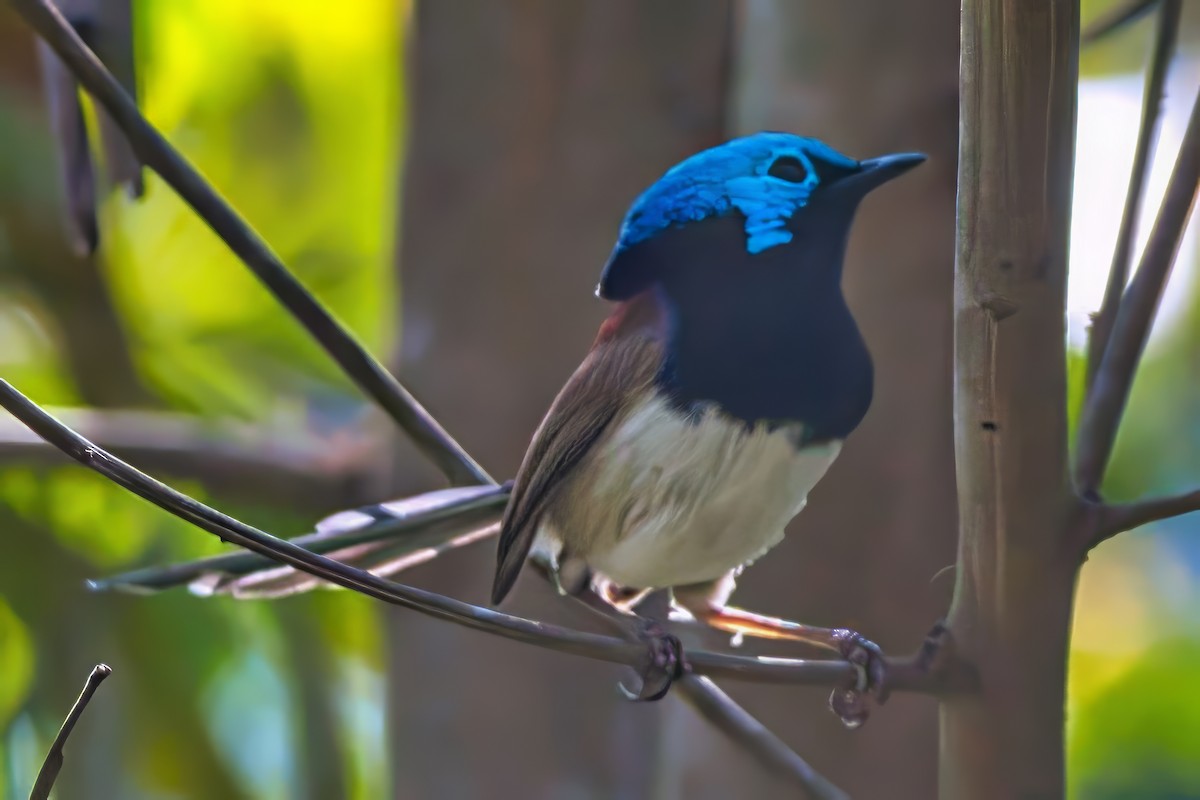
(158, 154)
(225, 455)
(54, 759)
(903, 675)
(1116, 519)
(1105, 405)
(422, 532)
(725, 714)
(1115, 19)
(1165, 37)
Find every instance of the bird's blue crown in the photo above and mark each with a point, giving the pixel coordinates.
(736, 175)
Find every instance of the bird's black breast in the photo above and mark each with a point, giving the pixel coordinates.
(766, 337)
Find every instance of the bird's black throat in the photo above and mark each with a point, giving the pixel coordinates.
(766, 336)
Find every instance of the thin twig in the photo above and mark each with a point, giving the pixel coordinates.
(227, 456)
(902, 675)
(718, 708)
(54, 759)
(1105, 404)
(1164, 47)
(1116, 519)
(1116, 19)
(158, 154)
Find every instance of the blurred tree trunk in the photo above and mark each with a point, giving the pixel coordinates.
(871, 78)
(533, 126)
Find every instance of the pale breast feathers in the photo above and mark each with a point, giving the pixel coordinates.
(674, 498)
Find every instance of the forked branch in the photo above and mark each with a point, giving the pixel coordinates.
(1116, 519)
(1156, 76)
(1105, 404)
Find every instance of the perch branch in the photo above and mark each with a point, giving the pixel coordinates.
(721, 710)
(904, 675)
(224, 455)
(1105, 404)
(1116, 519)
(54, 759)
(157, 153)
(1115, 19)
(1164, 46)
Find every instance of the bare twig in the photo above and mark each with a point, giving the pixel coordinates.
(1106, 403)
(714, 705)
(1156, 76)
(158, 154)
(1115, 19)
(903, 675)
(54, 759)
(1116, 519)
(225, 455)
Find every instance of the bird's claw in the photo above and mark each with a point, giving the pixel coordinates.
(850, 704)
(663, 665)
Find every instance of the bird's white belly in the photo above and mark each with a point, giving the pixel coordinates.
(676, 500)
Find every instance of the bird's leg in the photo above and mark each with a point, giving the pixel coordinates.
(621, 598)
(707, 603)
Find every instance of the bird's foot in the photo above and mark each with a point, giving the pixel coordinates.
(664, 663)
(850, 703)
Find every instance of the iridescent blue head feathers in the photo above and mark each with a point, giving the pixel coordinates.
(769, 185)
(767, 177)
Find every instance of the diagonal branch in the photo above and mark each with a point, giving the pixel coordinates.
(1156, 76)
(227, 456)
(1105, 404)
(54, 759)
(905, 674)
(1116, 519)
(722, 711)
(157, 153)
(1115, 19)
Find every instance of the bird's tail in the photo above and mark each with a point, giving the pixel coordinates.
(383, 539)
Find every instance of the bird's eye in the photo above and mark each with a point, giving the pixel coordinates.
(788, 168)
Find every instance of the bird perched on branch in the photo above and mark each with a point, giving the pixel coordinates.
(716, 394)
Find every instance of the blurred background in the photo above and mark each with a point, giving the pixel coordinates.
(449, 178)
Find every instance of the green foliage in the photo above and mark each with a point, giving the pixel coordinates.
(1139, 738)
(16, 662)
(292, 111)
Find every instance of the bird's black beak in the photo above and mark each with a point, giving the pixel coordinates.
(874, 172)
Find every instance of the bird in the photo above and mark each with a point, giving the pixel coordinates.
(716, 394)
(714, 397)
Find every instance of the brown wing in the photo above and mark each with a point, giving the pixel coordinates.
(623, 361)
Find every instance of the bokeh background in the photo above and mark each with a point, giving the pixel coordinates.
(449, 178)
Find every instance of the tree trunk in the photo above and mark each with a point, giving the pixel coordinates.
(872, 548)
(1016, 575)
(535, 124)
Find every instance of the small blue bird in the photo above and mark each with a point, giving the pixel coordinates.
(713, 399)
(716, 394)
